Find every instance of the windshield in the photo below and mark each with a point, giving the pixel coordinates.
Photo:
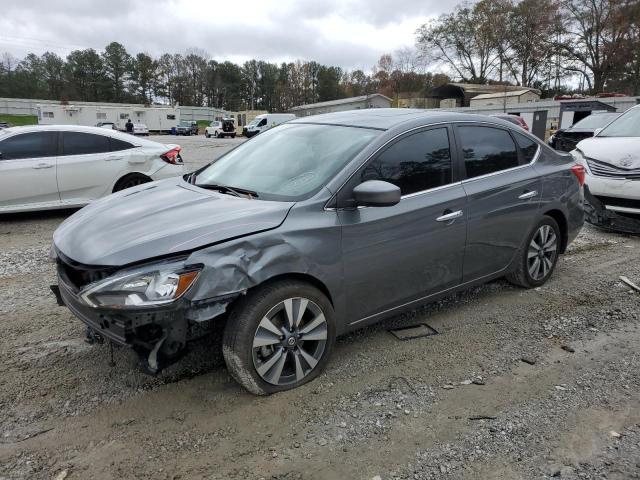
(253, 122)
(627, 125)
(289, 162)
(594, 121)
(185, 124)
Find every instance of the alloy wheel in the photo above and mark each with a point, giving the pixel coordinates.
(290, 341)
(542, 252)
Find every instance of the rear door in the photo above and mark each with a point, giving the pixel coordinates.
(503, 190)
(396, 255)
(87, 166)
(28, 170)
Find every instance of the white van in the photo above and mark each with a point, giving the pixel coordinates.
(265, 122)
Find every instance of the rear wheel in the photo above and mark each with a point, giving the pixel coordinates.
(206, 134)
(130, 180)
(539, 256)
(279, 337)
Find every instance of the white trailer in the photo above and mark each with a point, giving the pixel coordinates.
(157, 119)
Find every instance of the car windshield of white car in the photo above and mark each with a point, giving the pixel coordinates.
(627, 125)
(288, 163)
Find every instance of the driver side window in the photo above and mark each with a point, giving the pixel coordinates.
(263, 122)
(420, 161)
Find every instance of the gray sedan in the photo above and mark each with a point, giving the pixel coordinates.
(317, 227)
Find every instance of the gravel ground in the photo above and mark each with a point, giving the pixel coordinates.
(460, 404)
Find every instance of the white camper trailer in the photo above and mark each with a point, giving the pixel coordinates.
(157, 119)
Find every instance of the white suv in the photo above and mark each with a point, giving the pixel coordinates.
(220, 129)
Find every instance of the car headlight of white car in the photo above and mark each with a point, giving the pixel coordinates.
(149, 286)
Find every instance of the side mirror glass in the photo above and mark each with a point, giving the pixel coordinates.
(376, 193)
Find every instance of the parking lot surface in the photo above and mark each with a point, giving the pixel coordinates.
(516, 384)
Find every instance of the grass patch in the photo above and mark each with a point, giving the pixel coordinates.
(19, 120)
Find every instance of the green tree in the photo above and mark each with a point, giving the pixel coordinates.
(143, 75)
(84, 75)
(117, 66)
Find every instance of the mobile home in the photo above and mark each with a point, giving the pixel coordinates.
(157, 119)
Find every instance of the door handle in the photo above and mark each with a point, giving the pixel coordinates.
(527, 195)
(448, 217)
(42, 165)
(109, 159)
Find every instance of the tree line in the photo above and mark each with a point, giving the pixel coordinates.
(545, 44)
(192, 78)
(540, 43)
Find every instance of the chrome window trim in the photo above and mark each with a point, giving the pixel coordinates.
(460, 182)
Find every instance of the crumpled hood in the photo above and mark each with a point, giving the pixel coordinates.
(161, 218)
(618, 151)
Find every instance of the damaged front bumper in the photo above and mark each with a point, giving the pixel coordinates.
(597, 214)
(159, 335)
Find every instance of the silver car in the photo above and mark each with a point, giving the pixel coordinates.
(317, 227)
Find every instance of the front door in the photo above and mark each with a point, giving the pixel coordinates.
(396, 255)
(503, 190)
(28, 171)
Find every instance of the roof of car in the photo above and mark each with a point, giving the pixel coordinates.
(386, 118)
(79, 128)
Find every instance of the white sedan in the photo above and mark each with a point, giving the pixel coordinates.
(63, 166)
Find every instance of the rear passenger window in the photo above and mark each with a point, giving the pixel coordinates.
(487, 150)
(118, 145)
(418, 162)
(79, 143)
(29, 145)
(528, 147)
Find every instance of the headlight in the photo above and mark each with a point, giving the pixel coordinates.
(143, 287)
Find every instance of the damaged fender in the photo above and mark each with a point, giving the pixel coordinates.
(236, 266)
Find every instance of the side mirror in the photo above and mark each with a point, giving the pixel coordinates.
(597, 131)
(376, 193)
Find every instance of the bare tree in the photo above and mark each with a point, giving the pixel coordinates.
(462, 41)
(597, 33)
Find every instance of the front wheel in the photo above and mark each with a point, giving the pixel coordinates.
(539, 256)
(206, 134)
(279, 337)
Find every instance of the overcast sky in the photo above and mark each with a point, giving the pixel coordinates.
(348, 33)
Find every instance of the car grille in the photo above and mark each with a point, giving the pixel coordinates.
(602, 169)
(80, 275)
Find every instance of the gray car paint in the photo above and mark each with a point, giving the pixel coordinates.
(159, 219)
(371, 262)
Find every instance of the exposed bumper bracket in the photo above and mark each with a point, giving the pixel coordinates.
(597, 214)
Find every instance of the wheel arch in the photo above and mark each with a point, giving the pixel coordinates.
(127, 176)
(561, 220)
(302, 277)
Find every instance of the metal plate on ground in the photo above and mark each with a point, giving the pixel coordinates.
(413, 331)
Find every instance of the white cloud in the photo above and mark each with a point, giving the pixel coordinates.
(347, 33)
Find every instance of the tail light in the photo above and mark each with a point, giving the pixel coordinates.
(172, 156)
(579, 172)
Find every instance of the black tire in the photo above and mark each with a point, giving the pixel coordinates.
(130, 180)
(233, 135)
(206, 134)
(244, 322)
(522, 275)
